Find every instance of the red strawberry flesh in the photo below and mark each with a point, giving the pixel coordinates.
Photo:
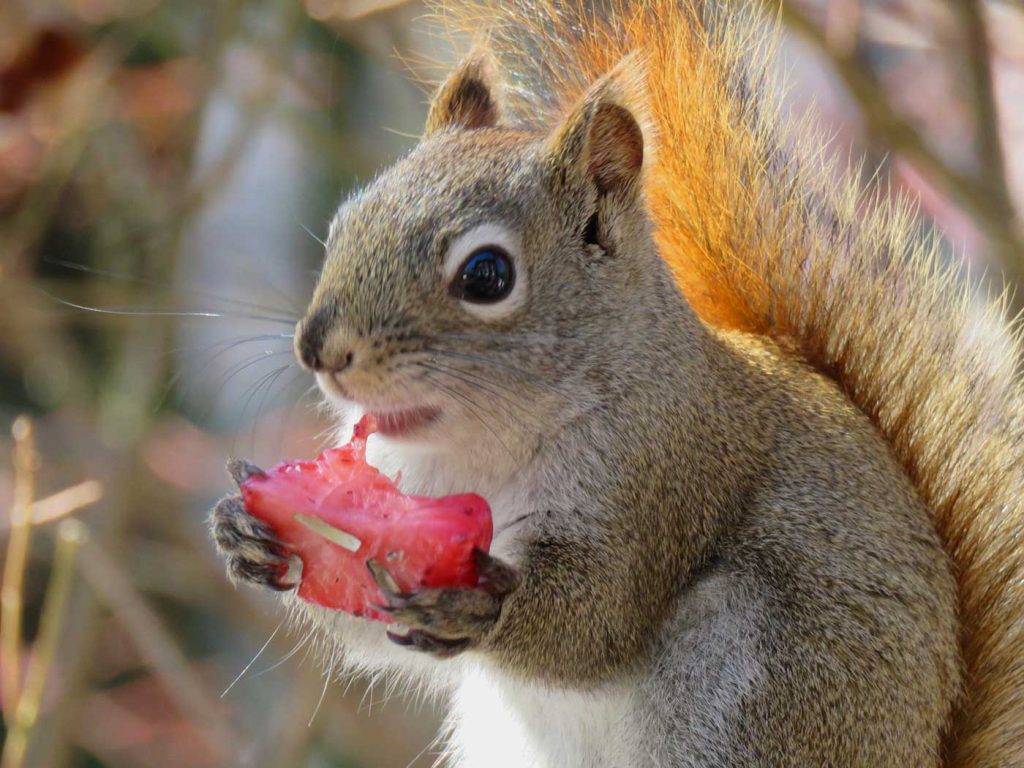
(420, 541)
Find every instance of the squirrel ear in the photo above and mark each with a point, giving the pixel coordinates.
(466, 100)
(601, 137)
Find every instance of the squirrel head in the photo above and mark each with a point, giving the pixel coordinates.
(475, 286)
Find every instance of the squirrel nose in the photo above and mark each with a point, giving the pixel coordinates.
(307, 352)
(310, 340)
(310, 355)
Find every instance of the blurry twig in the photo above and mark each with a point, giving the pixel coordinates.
(349, 10)
(115, 590)
(984, 196)
(21, 706)
(986, 115)
(843, 22)
(63, 503)
(14, 566)
(69, 537)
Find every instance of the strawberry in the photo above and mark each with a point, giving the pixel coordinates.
(338, 513)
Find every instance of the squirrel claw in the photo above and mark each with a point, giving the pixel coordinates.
(241, 470)
(444, 622)
(271, 576)
(398, 638)
(496, 577)
(385, 581)
(254, 554)
(421, 641)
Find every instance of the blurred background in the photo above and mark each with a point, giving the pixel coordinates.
(175, 164)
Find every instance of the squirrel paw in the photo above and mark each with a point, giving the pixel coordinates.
(445, 622)
(253, 553)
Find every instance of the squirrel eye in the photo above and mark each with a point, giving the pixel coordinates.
(485, 277)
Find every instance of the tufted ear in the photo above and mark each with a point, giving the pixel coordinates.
(601, 138)
(468, 97)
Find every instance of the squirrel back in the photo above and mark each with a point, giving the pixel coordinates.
(767, 237)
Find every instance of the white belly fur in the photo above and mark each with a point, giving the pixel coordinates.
(496, 722)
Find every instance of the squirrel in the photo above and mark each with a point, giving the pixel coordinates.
(755, 456)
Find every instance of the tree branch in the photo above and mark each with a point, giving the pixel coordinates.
(978, 58)
(985, 196)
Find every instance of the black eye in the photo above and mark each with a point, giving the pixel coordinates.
(485, 277)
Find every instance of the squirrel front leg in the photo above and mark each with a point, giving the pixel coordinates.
(444, 622)
(572, 611)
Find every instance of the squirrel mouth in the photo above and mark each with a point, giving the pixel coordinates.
(403, 422)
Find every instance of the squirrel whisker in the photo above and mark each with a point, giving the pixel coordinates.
(208, 354)
(524, 339)
(516, 371)
(132, 312)
(483, 384)
(190, 290)
(472, 409)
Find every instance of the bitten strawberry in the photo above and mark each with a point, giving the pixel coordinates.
(337, 513)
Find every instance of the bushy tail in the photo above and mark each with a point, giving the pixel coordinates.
(766, 236)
